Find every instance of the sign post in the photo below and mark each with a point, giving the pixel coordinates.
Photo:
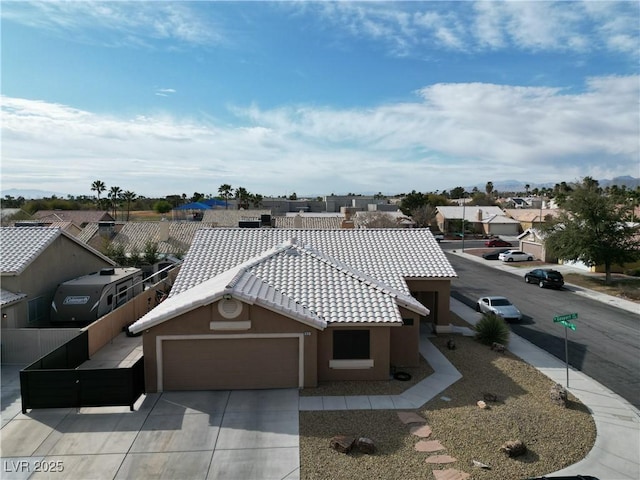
(565, 320)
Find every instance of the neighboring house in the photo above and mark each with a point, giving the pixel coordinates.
(171, 238)
(78, 217)
(33, 261)
(374, 217)
(313, 221)
(532, 241)
(266, 308)
(237, 218)
(531, 218)
(487, 220)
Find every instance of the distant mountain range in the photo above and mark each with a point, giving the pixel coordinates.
(517, 186)
(499, 186)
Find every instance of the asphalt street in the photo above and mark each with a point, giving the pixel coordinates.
(604, 346)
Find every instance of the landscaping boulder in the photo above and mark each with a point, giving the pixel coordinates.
(558, 395)
(498, 347)
(514, 448)
(342, 443)
(366, 445)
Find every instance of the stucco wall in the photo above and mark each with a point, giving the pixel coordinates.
(198, 322)
(63, 260)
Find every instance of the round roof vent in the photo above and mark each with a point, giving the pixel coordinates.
(230, 308)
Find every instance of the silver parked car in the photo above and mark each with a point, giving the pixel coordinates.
(515, 256)
(501, 306)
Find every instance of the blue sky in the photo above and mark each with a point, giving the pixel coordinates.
(316, 98)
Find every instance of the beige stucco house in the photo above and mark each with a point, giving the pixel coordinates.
(485, 220)
(33, 261)
(269, 308)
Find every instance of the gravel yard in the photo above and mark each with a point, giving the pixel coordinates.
(555, 436)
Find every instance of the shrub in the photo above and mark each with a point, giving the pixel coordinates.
(492, 328)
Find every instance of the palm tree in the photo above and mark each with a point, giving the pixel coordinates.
(114, 195)
(225, 192)
(98, 187)
(243, 196)
(256, 200)
(489, 188)
(129, 197)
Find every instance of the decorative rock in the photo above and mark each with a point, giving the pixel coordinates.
(422, 431)
(410, 417)
(450, 474)
(475, 463)
(342, 443)
(490, 397)
(558, 395)
(451, 345)
(440, 459)
(498, 347)
(428, 446)
(482, 405)
(366, 445)
(514, 448)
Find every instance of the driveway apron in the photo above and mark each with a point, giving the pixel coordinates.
(243, 434)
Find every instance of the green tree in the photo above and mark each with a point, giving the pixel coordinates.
(412, 202)
(225, 192)
(592, 229)
(98, 187)
(256, 200)
(457, 192)
(162, 206)
(243, 197)
(128, 198)
(151, 252)
(114, 196)
(488, 188)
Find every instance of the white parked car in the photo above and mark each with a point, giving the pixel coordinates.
(501, 306)
(515, 256)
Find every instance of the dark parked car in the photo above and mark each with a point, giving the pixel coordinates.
(545, 277)
(497, 242)
(493, 255)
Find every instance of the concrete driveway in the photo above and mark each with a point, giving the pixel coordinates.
(243, 434)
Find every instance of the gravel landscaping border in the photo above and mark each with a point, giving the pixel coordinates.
(555, 436)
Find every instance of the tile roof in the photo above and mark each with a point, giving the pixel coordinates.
(7, 297)
(388, 255)
(299, 282)
(19, 246)
(470, 212)
(309, 222)
(78, 217)
(133, 236)
(230, 218)
(531, 214)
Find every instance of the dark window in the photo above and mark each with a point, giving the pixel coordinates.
(407, 322)
(350, 344)
(36, 309)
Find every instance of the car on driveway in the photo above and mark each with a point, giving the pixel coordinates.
(497, 242)
(545, 277)
(515, 256)
(501, 306)
(494, 255)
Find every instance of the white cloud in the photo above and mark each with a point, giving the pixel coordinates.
(465, 26)
(452, 134)
(118, 23)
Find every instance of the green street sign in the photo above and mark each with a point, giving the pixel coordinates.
(564, 318)
(568, 324)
